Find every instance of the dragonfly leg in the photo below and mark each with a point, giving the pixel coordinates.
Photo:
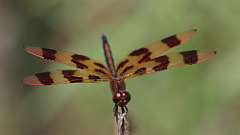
(124, 109)
(115, 110)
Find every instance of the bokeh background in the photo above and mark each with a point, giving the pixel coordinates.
(195, 100)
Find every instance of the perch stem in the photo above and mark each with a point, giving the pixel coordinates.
(122, 124)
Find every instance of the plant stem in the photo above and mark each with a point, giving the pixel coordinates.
(122, 124)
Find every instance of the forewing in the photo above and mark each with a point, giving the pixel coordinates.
(63, 77)
(75, 60)
(167, 61)
(154, 50)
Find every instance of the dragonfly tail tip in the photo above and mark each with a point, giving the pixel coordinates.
(104, 38)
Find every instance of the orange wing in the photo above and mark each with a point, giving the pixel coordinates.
(154, 50)
(71, 59)
(63, 77)
(164, 62)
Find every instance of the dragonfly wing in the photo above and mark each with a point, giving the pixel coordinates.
(63, 77)
(167, 61)
(75, 60)
(154, 49)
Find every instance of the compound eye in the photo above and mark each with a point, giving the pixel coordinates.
(121, 98)
(117, 97)
(126, 96)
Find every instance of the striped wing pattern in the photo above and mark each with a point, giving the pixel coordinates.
(75, 60)
(63, 77)
(148, 59)
(153, 50)
(167, 61)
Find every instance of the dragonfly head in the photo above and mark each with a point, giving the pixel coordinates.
(121, 98)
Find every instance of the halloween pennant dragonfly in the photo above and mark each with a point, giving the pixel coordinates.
(145, 60)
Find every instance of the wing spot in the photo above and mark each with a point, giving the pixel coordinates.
(45, 78)
(100, 71)
(69, 75)
(126, 69)
(139, 52)
(93, 77)
(145, 58)
(122, 64)
(48, 54)
(141, 71)
(163, 63)
(171, 41)
(190, 57)
(79, 64)
(99, 65)
(162, 59)
(80, 57)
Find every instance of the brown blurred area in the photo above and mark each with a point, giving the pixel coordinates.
(202, 99)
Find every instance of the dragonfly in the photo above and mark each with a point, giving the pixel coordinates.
(148, 59)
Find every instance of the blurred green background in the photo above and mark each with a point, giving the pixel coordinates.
(195, 100)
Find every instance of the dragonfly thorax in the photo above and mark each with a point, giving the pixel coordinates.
(121, 98)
